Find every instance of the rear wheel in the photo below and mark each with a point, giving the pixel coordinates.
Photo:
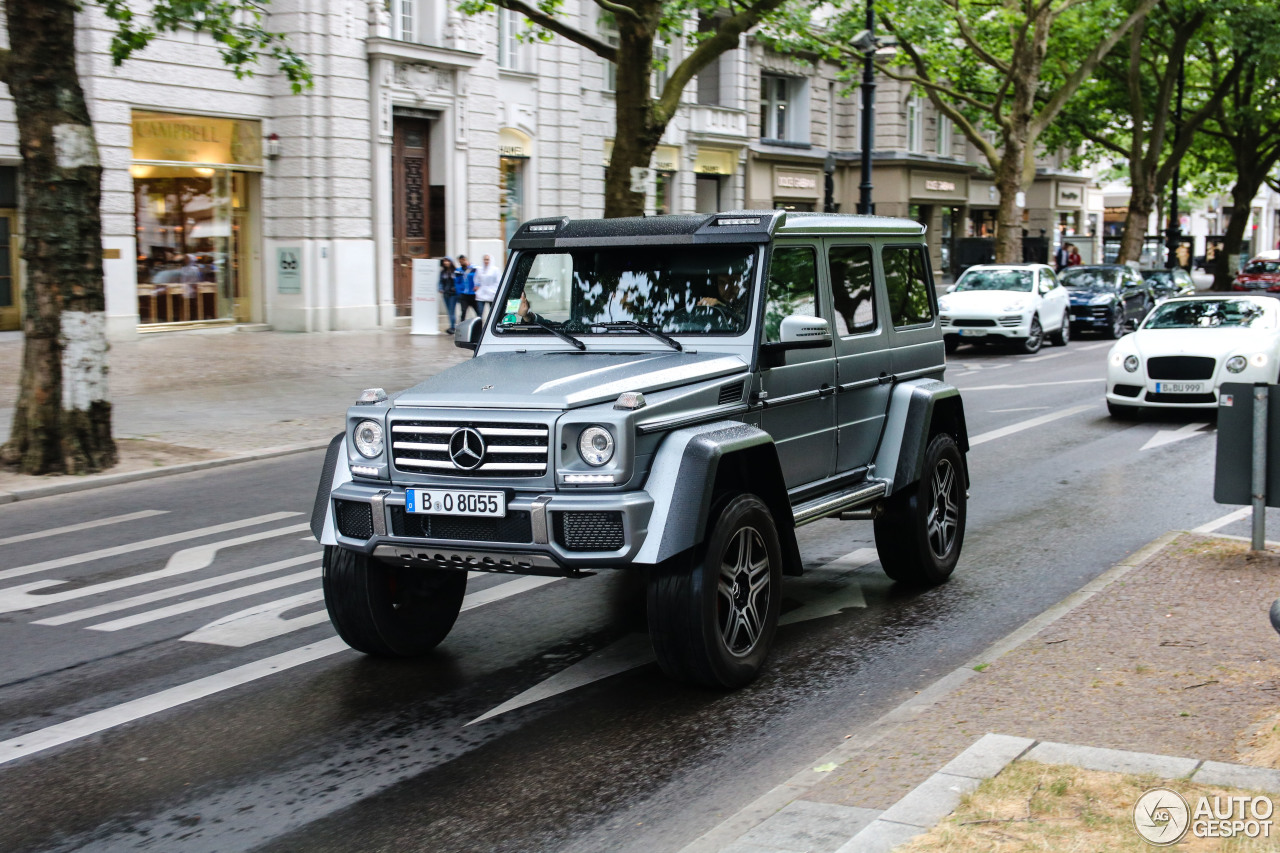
(712, 615)
(921, 531)
(1117, 329)
(390, 611)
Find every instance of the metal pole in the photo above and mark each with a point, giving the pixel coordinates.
(1259, 490)
(1175, 221)
(868, 114)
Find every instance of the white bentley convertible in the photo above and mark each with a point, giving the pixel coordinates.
(1190, 345)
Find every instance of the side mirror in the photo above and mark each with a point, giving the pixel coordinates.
(798, 329)
(467, 333)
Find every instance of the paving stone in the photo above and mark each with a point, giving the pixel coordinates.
(1113, 760)
(808, 827)
(743, 847)
(991, 754)
(933, 800)
(1238, 776)
(881, 836)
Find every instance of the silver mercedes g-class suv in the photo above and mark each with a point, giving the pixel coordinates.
(674, 395)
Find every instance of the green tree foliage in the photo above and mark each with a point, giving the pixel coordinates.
(693, 33)
(62, 420)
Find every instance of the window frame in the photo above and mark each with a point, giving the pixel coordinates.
(770, 105)
(915, 125)
(875, 326)
(814, 249)
(511, 51)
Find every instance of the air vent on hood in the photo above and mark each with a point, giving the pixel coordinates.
(732, 393)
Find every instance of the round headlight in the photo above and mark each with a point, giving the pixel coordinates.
(1131, 363)
(368, 436)
(1237, 363)
(595, 446)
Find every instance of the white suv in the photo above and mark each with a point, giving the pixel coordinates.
(1018, 303)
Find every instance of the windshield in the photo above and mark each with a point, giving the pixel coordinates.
(1100, 280)
(1158, 277)
(1016, 280)
(1210, 314)
(1262, 266)
(677, 290)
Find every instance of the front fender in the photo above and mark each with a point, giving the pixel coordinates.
(918, 410)
(333, 473)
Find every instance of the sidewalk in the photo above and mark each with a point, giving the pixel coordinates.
(194, 396)
(1170, 653)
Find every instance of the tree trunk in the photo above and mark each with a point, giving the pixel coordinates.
(638, 128)
(62, 421)
(1008, 180)
(1242, 195)
(1142, 199)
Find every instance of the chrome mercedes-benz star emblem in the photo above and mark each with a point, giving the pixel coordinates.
(466, 448)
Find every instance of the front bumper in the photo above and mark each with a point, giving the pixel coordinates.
(1092, 316)
(966, 328)
(543, 533)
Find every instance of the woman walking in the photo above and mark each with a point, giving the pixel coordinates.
(446, 288)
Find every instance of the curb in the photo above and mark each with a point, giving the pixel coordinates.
(939, 795)
(95, 481)
(771, 804)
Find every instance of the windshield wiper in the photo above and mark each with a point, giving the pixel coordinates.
(641, 327)
(535, 320)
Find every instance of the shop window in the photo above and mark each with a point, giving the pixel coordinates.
(663, 192)
(792, 288)
(511, 50)
(511, 195)
(707, 194)
(906, 278)
(852, 289)
(781, 106)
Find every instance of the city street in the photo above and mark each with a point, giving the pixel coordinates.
(173, 681)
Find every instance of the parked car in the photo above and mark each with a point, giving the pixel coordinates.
(1188, 347)
(670, 395)
(1106, 298)
(1165, 283)
(1011, 303)
(1261, 273)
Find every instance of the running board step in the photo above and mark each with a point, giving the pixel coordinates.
(826, 505)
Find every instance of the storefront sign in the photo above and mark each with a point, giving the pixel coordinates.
(426, 299)
(288, 269)
(793, 183)
(715, 161)
(666, 158)
(172, 138)
(941, 186)
(514, 143)
(1070, 195)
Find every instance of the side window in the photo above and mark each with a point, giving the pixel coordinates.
(853, 289)
(907, 282)
(792, 288)
(1047, 277)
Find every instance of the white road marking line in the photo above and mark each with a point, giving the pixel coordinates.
(180, 607)
(60, 733)
(1032, 385)
(85, 525)
(1229, 518)
(107, 718)
(1169, 436)
(852, 560)
(260, 623)
(173, 591)
(1093, 346)
(505, 590)
(1023, 425)
(77, 559)
(628, 653)
(1022, 409)
(1046, 357)
(20, 597)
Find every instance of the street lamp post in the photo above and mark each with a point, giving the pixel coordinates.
(1174, 232)
(868, 49)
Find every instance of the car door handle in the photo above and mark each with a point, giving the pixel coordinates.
(826, 390)
(886, 378)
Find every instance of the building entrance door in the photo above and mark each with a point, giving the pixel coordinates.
(10, 298)
(411, 212)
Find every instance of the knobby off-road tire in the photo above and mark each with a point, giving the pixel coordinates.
(390, 611)
(921, 531)
(713, 613)
(1062, 337)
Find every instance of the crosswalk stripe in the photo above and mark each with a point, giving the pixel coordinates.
(21, 597)
(173, 592)
(84, 525)
(103, 553)
(205, 601)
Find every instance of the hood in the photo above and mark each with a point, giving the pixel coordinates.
(1214, 343)
(1080, 296)
(562, 380)
(985, 301)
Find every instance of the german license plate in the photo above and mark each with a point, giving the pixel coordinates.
(1179, 387)
(972, 333)
(454, 502)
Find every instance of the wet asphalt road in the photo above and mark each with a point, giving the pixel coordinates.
(164, 739)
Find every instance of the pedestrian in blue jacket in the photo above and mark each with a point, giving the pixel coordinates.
(465, 285)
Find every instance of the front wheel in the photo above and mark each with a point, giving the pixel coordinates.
(1062, 337)
(390, 611)
(712, 617)
(921, 531)
(1035, 338)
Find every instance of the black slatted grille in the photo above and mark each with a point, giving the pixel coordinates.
(732, 393)
(1184, 399)
(974, 323)
(1128, 390)
(589, 531)
(355, 519)
(515, 527)
(1180, 367)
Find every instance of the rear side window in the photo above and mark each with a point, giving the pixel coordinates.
(907, 282)
(852, 289)
(792, 289)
